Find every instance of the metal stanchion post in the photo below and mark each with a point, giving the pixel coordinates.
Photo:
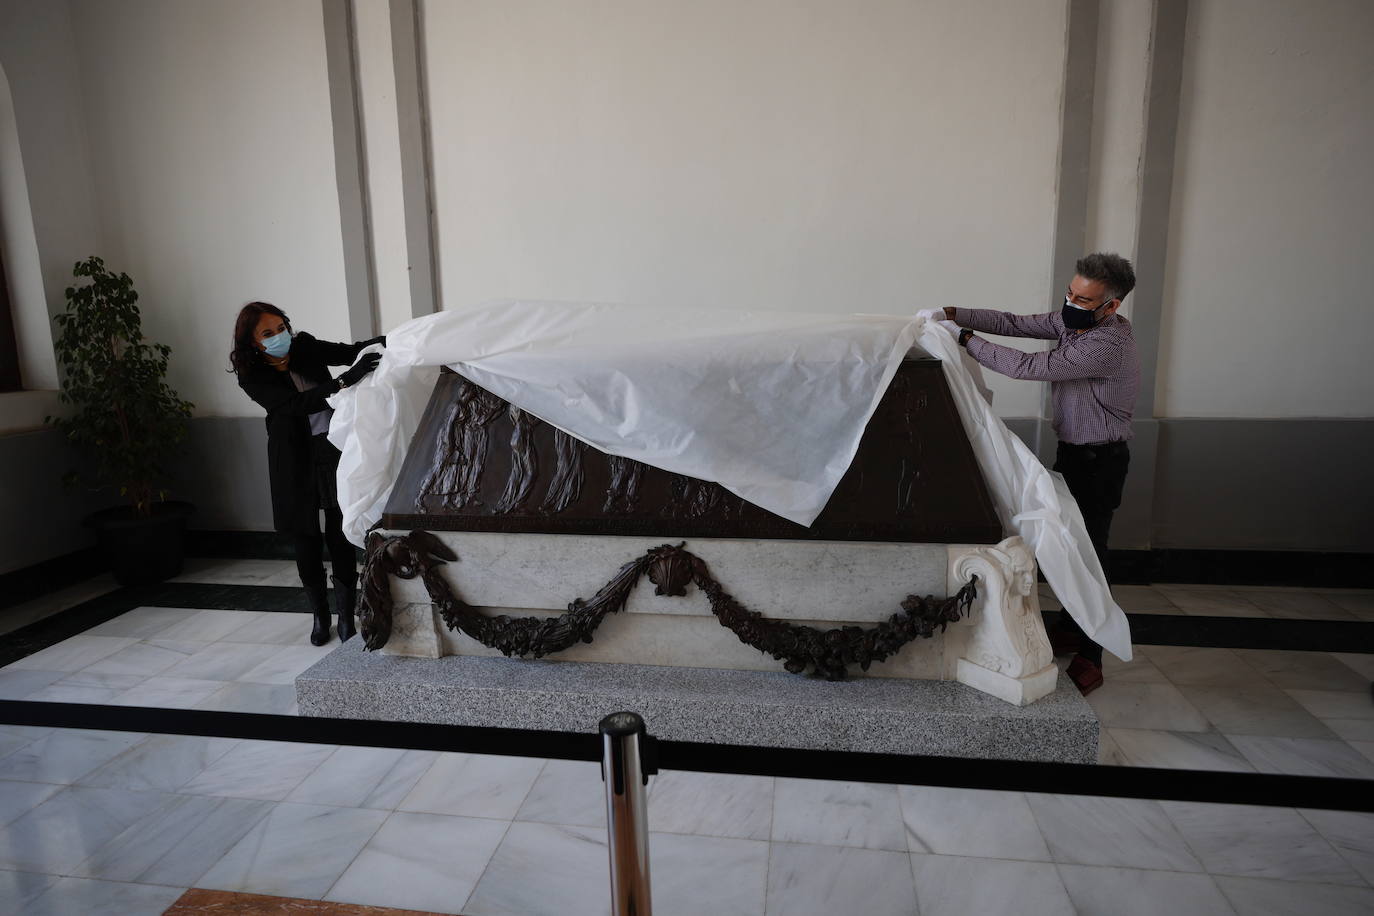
(625, 774)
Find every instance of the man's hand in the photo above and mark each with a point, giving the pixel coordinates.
(949, 312)
(931, 314)
(952, 328)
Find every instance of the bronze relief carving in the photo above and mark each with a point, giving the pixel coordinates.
(474, 465)
(566, 486)
(802, 649)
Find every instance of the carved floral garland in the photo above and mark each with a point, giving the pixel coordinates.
(671, 568)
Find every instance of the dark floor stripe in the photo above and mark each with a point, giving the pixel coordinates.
(1246, 632)
(900, 769)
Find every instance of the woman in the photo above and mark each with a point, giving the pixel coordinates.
(286, 373)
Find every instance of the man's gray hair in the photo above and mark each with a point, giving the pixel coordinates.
(1112, 270)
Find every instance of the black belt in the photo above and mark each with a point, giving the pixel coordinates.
(1102, 448)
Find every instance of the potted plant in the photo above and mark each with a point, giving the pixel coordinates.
(125, 419)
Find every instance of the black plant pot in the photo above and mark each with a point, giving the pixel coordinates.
(141, 551)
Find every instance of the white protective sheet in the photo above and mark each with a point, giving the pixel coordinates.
(770, 405)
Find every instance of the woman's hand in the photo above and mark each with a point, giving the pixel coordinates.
(365, 364)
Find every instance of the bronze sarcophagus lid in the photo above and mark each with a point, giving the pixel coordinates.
(477, 463)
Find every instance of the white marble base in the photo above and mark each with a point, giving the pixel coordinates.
(1000, 648)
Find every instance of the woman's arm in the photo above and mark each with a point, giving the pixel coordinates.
(273, 396)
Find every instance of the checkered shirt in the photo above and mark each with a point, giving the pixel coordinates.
(1093, 376)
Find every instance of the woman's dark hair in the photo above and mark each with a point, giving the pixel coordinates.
(245, 351)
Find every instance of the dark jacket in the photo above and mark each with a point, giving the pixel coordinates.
(291, 455)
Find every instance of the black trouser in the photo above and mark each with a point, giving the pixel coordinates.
(310, 545)
(1096, 475)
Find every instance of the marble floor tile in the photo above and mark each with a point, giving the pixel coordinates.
(1364, 747)
(1154, 706)
(808, 880)
(968, 822)
(267, 770)
(1303, 670)
(168, 693)
(18, 683)
(568, 792)
(233, 572)
(1351, 833)
(283, 666)
(1337, 704)
(281, 628)
(19, 798)
(711, 804)
(1139, 670)
(1255, 710)
(1108, 752)
(62, 692)
(108, 898)
(288, 577)
(545, 870)
(20, 888)
(347, 777)
(1303, 605)
(1351, 729)
(1254, 842)
(1205, 667)
(829, 813)
(1124, 832)
(66, 755)
(163, 762)
(189, 830)
(1143, 599)
(68, 828)
(1179, 750)
(145, 659)
(73, 654)
(958, 886)
(1360, 662)
(272, 699)
(222, 661)
(295, 851)
(474, 785)
(1361, 604)
(1210, 602)
(141, 622)
(208, 625)
(1135, 892)
(396, 784)
(691, 875)
(1304, 756)
(20, 615)
(420, 862)
(88, 678)
(1264, 897)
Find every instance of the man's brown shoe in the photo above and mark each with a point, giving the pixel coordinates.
(1086, 675)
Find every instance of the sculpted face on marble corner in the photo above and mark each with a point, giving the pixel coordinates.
(478, 463)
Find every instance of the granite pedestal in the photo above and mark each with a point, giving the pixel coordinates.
(759, 708)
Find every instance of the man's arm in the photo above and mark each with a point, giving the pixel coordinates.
(1008, 324)
(1086, 359)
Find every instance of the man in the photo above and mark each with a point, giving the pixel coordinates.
(1094, 374)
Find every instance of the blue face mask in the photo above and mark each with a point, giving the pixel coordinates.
(278, 345)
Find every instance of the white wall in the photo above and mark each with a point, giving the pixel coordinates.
(1118, 128)
(210, 126)
(1266, 302)
(48, 219)
(820, 156)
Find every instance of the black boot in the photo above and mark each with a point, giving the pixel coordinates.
(345, 600)
(318, 598)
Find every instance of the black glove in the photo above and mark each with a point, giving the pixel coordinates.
(365, 364)
(376, 340)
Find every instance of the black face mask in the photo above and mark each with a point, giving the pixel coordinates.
(1077, 319)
